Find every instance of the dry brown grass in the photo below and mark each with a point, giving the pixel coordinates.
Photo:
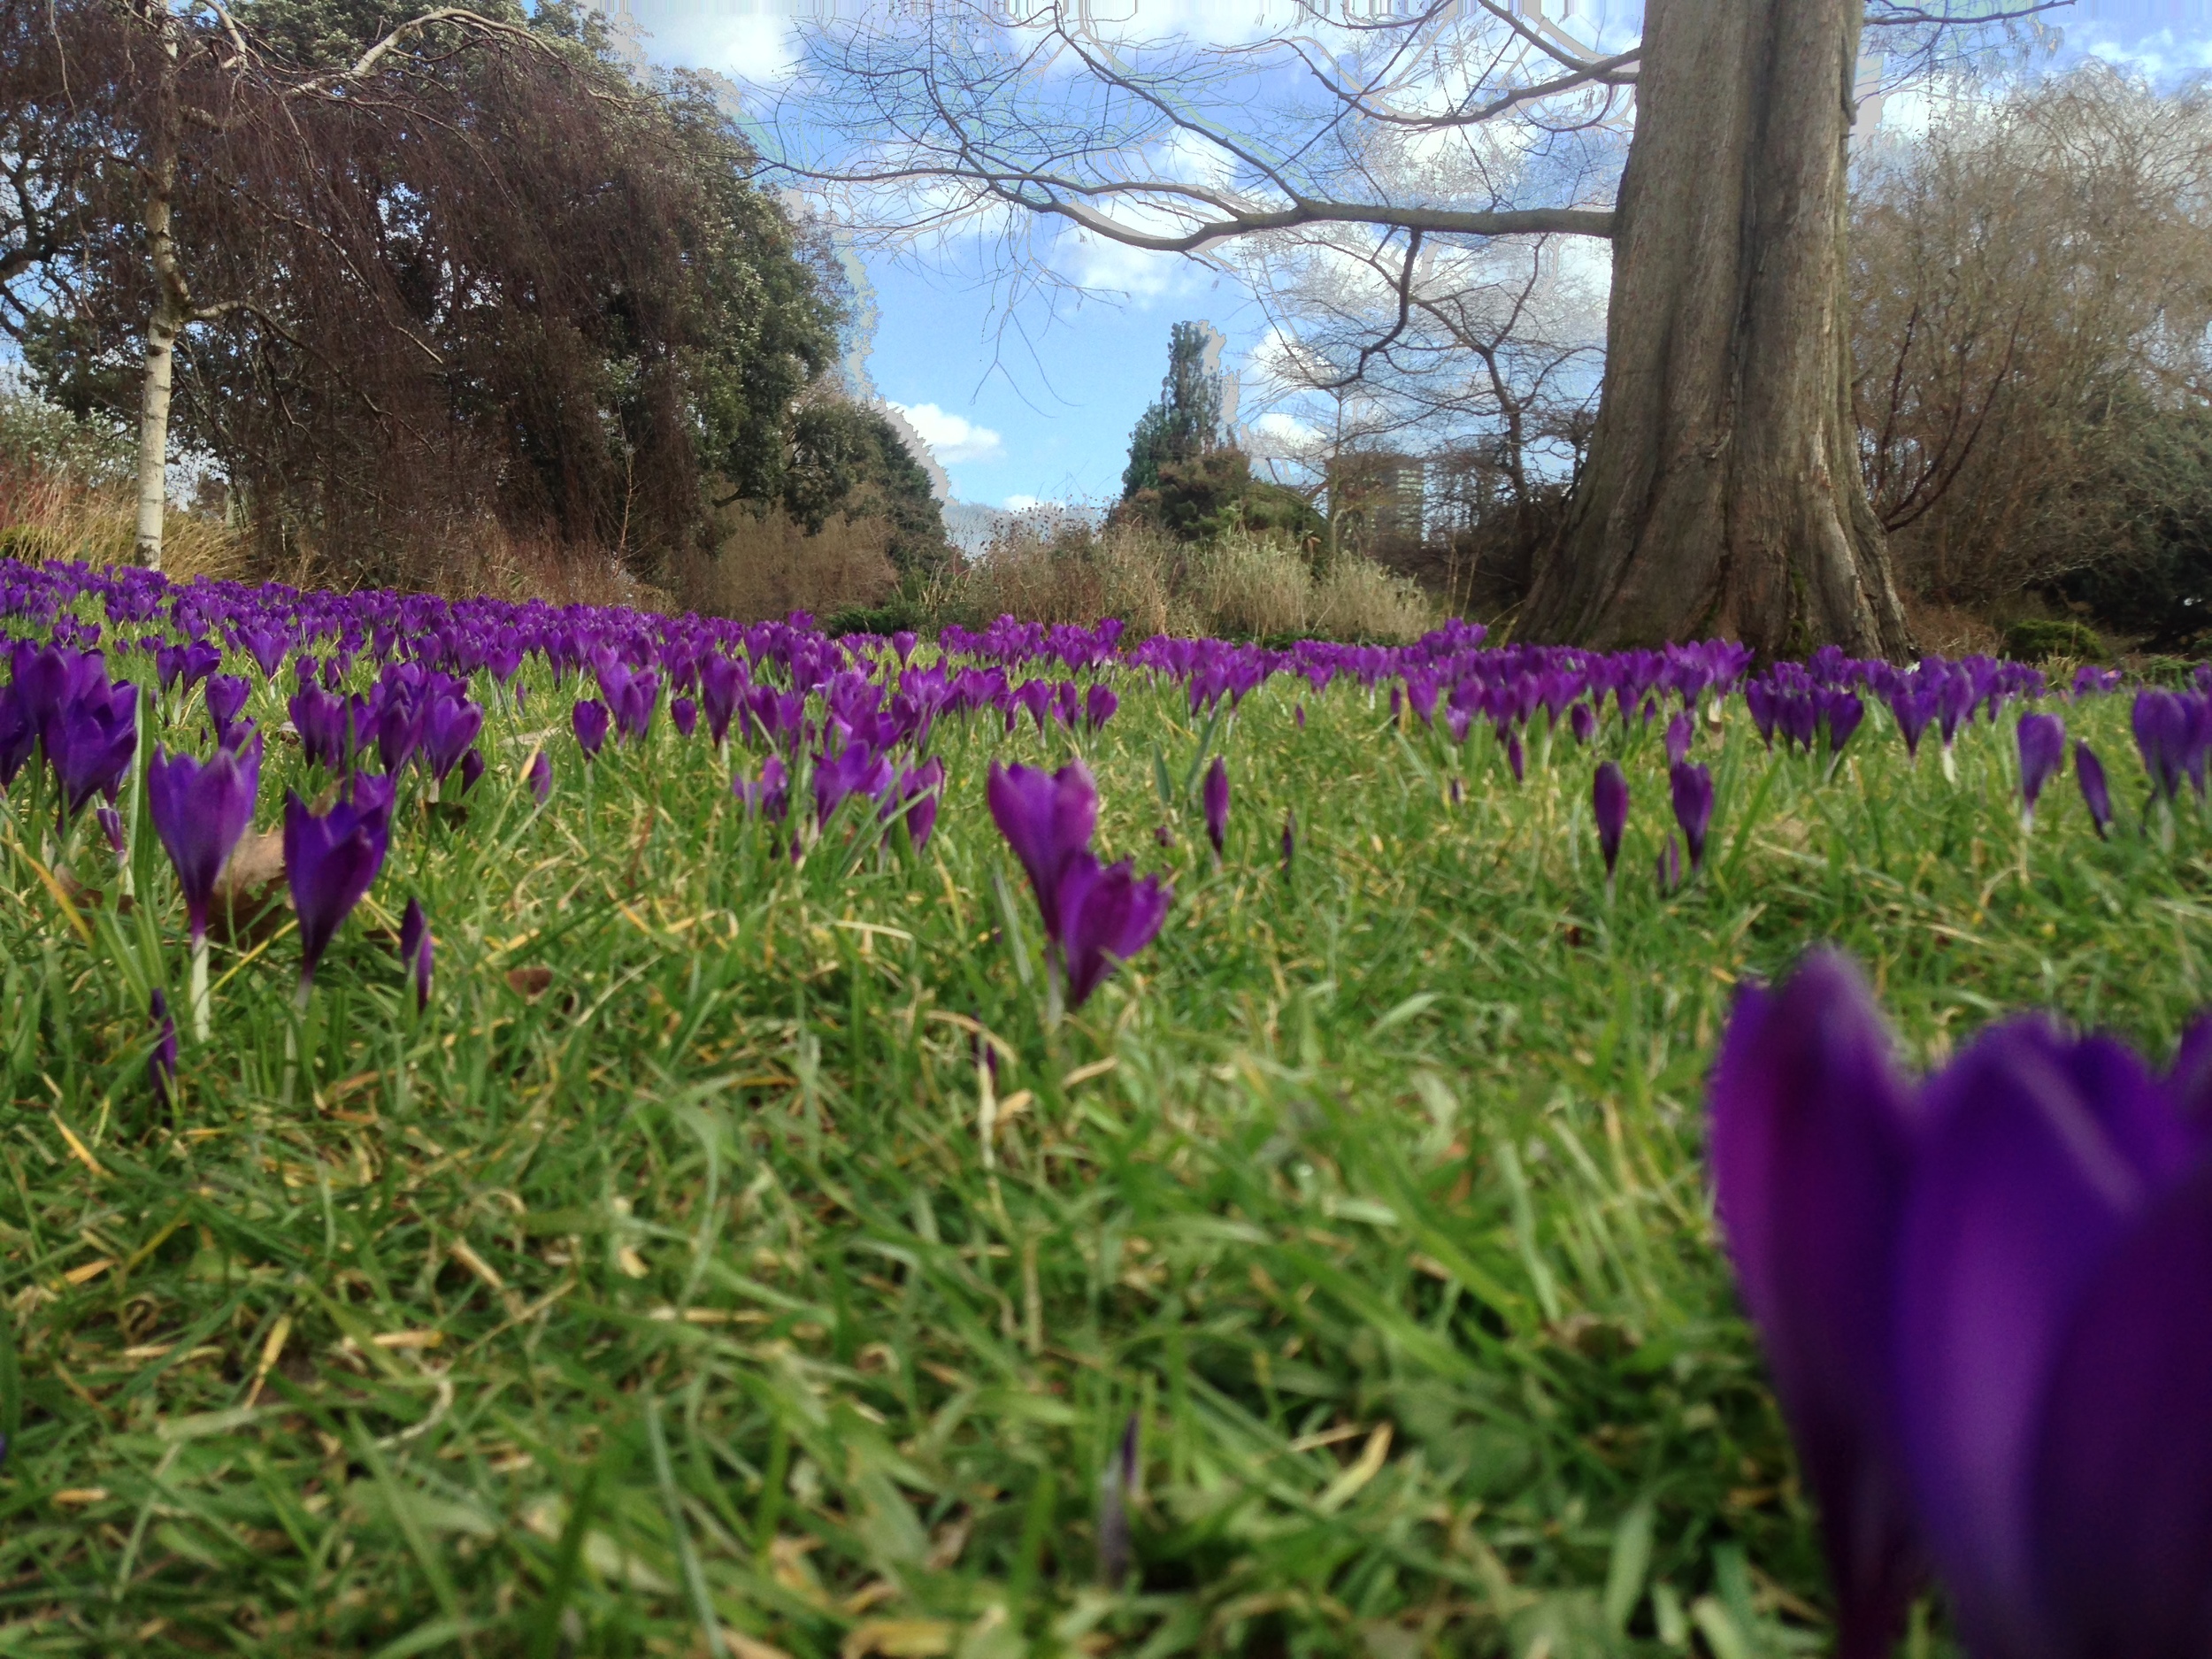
(1950, 630)
(485, 559)
(1243, 586)
(47, 515)
(768, 566)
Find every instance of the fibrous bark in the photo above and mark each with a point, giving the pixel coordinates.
(1723, 492)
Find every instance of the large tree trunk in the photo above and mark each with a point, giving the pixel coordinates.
(1722, 494)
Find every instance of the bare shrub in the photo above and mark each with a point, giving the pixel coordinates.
(1239, 585)
(1061, 569)
(767, 565)
(2028, 285)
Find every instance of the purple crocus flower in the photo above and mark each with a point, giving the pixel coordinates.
(1841, 713)
(1514, 755)
(17, 733)
(111, 822)
(771, 796)
(1582, 720)
(1290, 838)
(2042, 739)
(161, 1064)
(91, 742)
(2163, 726)
(1680, 731)
(854, 769)
(632, 698)
(472, 769)
(1106, 916)
(1988, 1304)
(2095, 794)
(225, 695)
(1045, 818)
(199, 809)
(720, 684)
(916, 793)
(330, 862)
(1214, 795)
(449, 725)
(1299, 715)
(1693, 788)
(1609, 804)
(1099, 702)
(684, 713)
(1811, 1145)
(416, 951)
(1669, 866)
(589, 717)
(538, 775)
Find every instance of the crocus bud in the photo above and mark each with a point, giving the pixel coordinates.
(2095, 794)
(1608, 803)
(200, 810)
(1046, 818)
(538, 775)
(589, 717)
(1106, 916)
(1693, 788)
(2042, 740)
(330, 862)
(1215, 796)
(1811, 1142)
(161, 1064)
(416, 951)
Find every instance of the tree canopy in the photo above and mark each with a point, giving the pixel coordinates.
(494, 273)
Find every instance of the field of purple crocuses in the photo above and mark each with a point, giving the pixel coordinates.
(545, 1130)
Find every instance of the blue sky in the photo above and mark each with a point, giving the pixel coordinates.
(1034, 402)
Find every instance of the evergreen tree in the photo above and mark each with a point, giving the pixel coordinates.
(1186, 422)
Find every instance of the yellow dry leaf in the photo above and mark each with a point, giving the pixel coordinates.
(898, 1639)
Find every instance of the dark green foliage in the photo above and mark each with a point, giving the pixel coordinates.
(501, 278)
(902, 612)
(2157, 582)
(1186, 422)
(848, 458)
(1202, 497)
(2038, 638)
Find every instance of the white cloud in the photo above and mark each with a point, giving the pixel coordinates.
(1101, 264)
(951, 438)
(1282, 433)
(759, 48)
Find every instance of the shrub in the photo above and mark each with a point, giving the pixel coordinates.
(766, 565)
(2037, 640)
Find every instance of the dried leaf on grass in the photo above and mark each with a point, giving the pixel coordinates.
(249, 899)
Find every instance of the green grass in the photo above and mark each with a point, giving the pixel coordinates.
(683, 1307)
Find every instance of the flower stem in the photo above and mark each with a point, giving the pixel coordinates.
(200, 1022)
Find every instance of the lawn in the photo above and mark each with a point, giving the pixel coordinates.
(731, 1257)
